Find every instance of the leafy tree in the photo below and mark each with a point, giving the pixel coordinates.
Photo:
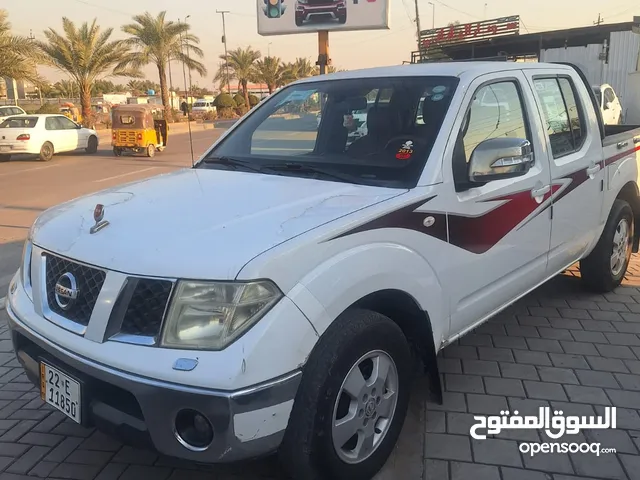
(18, 54)
(155, 40)
(239, 100)
(242, 63)
(86, 54)
(253, 100)
(271, 71)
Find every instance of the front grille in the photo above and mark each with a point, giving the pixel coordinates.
(89, 283)
(146, 308)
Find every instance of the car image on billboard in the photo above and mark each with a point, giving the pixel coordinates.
(281, 17)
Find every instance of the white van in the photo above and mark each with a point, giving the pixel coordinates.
(203, 106)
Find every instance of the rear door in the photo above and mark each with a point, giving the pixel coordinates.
(573, 141)
(500, 229)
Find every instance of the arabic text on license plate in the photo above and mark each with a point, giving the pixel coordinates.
(60, 391)
(5, 148)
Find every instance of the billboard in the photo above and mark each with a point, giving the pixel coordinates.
(282, 17)
(469, 32)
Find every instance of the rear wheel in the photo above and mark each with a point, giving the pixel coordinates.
(352, 400)
(46, 152)
(606, 266)
(151, 150)
(92, 145)
(117, 152)
(5, 158)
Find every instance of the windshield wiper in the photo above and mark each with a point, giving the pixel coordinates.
(310, 169)
(231, 162)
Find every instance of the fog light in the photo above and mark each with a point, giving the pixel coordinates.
(193, 430)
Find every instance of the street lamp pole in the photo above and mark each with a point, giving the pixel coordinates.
(226, 55)
(184, 74)
(187, 47)
(433, 14)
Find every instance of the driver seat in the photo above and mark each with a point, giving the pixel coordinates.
(383, 123)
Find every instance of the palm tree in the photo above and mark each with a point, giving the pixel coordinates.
(18, 53)
(242, 64)
(85, 54)
(303, 68)
(221, 77)
(155, 40)
(272, 71)
(329, 69)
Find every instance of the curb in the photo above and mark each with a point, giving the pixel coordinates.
(174, 129)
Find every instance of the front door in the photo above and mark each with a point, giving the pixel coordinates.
(72, 133)
(572, 137)
(499, 231)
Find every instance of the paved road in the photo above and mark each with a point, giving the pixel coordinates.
(557, 347)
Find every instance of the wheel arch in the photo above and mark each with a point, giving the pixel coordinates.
(415, 323)
(630, 194)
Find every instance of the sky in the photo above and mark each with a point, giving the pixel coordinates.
(348, 50)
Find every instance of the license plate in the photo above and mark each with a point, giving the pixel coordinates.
(60, 391)
(5, 148)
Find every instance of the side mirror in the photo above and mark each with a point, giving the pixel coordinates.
(500, 158)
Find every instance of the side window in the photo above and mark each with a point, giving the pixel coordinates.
(562, 114)
(609, 96)
(51, 123)
(66, 124)
(496, 111)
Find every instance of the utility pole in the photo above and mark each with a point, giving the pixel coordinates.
(433, 14)
(226, 55)
(184, 74)
(600, 20)
(418, 22)
(187, 47)
(32, 38)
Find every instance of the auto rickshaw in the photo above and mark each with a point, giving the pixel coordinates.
(138, 129)
(70, 111)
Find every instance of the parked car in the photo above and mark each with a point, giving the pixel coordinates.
(44, 135)
(8, 111)
(203, 106)
(610, 106)
(296, 326)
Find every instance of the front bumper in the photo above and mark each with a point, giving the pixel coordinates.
(308, 12)
(247, 423)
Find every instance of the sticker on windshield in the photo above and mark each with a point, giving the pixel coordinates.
(297, 96)
(405, 151)
(439, 89)
(437, 97)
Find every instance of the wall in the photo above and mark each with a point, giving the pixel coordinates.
(623, 60)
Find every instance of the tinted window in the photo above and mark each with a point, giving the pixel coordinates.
(609, 96)
(20, 122)
(16, 111)
(51, 123)
(66, 124)
(562, 114)
(496, 111)
(323, 124)
(5, 111)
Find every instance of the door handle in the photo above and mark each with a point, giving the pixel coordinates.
(539, 192)
(621, 145)
(593, 170)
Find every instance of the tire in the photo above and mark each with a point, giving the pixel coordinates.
(342, 19)
(5, 158)
(597, 272)
(117, 152)
(46, 151)
(299, 22)
(92, 144)
(307, 450)
(151, 150)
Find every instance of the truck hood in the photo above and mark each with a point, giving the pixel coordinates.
(199, 224)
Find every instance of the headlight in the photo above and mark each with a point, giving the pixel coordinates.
(211, 315)
(25, 266)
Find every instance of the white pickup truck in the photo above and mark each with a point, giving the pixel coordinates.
(272, 297)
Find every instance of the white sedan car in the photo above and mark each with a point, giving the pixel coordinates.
(10, 110)
(44, 135)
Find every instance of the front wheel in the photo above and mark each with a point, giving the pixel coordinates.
(606, 266)
(46, 152)
(342, 19)
(352, 400)
(92, 145)
(151, 150)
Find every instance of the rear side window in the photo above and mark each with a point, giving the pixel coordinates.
(562, 114)
(21, 122)
(609, 96)
(5, 111)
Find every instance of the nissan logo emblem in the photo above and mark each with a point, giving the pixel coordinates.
(66, 291)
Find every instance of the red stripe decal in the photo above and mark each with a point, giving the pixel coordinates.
(619, 156)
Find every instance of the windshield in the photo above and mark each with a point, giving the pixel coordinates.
(19, 122)
(371, 131)
(199, 104)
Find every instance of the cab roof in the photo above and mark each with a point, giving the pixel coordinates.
(444, 69)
